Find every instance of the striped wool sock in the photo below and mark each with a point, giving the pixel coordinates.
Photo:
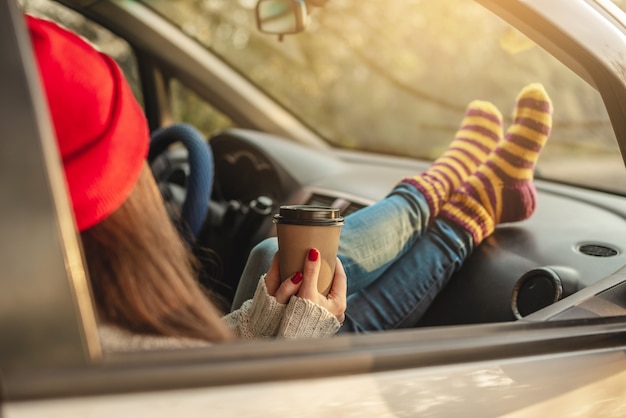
(502, 189)
(480, 131)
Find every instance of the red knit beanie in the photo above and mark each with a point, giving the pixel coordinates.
(101, 130)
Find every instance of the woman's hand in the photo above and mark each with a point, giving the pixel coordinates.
(304, 285)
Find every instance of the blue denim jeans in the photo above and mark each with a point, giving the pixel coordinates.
(395, 256)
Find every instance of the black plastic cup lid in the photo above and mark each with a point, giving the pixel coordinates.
(308, 215)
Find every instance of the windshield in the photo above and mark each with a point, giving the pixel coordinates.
(395, 77)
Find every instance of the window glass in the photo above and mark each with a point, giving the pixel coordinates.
(101, 38)
(395, 77)
(620, 3)
(190, 108)
(186, 105)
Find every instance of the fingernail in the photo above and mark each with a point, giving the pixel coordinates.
(313, 254)
(297, 278)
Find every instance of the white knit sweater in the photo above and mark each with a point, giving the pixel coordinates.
(260, 317)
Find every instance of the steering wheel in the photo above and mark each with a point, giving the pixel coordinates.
(219, 229)
(185, 176)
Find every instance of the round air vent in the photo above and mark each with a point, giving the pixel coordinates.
(535, 290)
(542, 287)
(597, 250)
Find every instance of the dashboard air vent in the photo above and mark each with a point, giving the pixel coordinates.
(597, 250)
(317, 199)
(346, 205)
(351, 208)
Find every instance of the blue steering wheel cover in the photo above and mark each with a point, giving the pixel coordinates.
(201, 170)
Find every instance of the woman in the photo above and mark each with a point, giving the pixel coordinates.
(143, 277)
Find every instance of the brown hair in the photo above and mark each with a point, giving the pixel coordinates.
(143, 275)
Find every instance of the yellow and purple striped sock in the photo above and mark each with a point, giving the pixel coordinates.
(502, 188)
(478, 135)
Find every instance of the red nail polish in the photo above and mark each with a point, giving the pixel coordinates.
(313, 254)
(297, 278)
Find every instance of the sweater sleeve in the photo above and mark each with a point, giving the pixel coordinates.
(257, 317)
(116, 339)
(305, 319)
(262, 316)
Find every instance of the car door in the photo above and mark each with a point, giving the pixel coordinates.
(51, 364)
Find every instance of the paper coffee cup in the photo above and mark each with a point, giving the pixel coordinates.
(302, 227)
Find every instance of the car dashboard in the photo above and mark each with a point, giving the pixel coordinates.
(572, 241)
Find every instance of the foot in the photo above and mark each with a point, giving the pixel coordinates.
(480, 131)
(502, 190)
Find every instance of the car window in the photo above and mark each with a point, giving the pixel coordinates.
(190, 108)
(396, 79)
(620, 3)
(186, 106)
(434, 115)
(98, 36)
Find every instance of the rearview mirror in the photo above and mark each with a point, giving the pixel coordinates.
(281, 17)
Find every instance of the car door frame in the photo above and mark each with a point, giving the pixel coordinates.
(54, 352)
